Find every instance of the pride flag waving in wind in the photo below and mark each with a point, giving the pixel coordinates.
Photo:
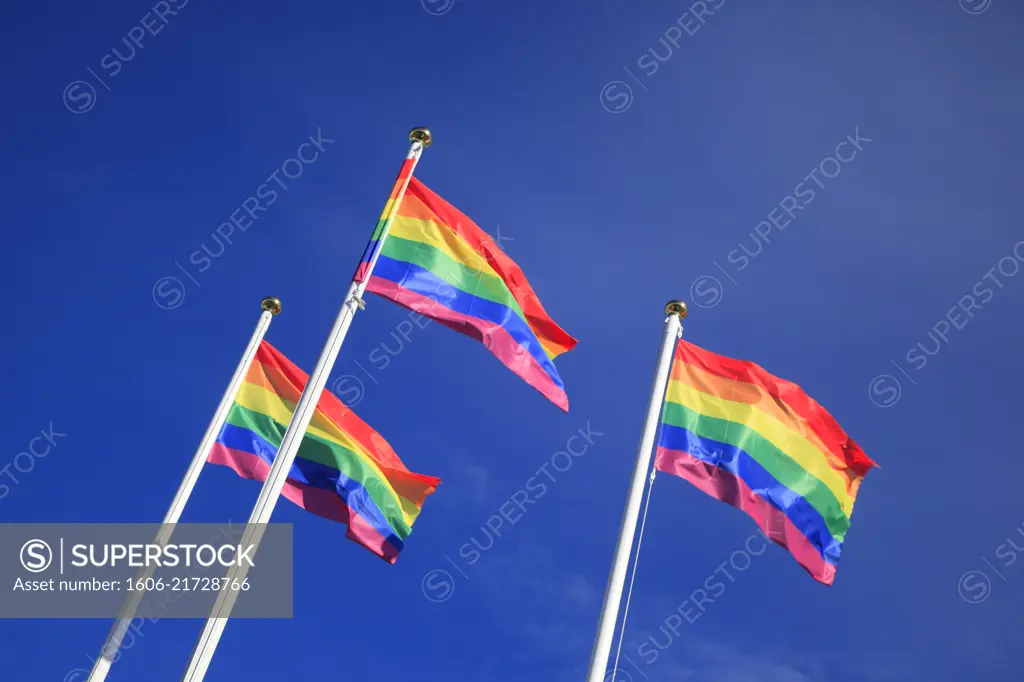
(763, 445)
(345, 471)
(435, 261)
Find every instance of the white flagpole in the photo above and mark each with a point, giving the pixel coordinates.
(676, 311)
(420, 138)
(101, 667)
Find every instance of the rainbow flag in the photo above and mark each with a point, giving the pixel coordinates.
(438, 263)
(764, 446)
(345, 471)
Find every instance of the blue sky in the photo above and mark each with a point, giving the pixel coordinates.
(613, 197)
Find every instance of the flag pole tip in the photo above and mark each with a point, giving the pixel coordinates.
(272, 304)
(421, 135)
(676, 308)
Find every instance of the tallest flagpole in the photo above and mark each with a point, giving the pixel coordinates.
(420, 138)
(676, 311)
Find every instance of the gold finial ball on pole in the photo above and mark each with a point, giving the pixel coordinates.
(421, 135)
(676, 308)
(272, 304)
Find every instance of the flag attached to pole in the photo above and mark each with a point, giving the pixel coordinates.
(345, 471)
(764, 446)
(438, 263)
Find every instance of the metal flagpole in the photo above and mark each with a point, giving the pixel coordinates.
(101, 667)
(676, 311)
(420, 138)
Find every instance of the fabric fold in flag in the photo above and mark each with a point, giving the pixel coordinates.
(345, 471)
(438, 263)
(764, 446)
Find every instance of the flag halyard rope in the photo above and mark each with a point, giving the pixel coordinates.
(632, 577)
